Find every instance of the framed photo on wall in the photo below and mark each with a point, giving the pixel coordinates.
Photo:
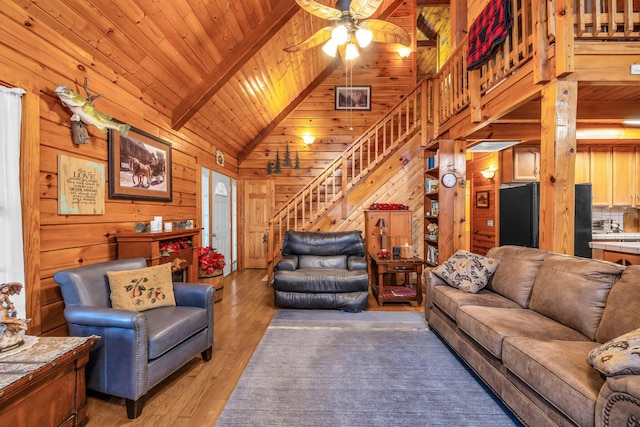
(353, 97)
(139, 166)
(482, 199)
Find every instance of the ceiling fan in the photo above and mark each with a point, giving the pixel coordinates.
(351, 30)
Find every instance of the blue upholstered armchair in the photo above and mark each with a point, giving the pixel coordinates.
(137, 349)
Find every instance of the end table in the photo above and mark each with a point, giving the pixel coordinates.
(396, 265)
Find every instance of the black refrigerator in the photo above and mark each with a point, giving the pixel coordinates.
(520, 212)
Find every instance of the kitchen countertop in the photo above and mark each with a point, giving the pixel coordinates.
(624, 247)
(615, 236)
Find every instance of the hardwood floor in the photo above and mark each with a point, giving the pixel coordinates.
(196, 394)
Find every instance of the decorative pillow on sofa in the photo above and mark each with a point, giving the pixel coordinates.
(142, 289)
(620, 356)
(467, 271)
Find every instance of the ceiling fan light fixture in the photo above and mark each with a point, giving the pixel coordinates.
(404, 52)
(340, 35)
(330, 48)
(364, 37)
(351, 52)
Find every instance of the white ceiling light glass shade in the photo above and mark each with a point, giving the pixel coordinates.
(330, 48)
(404, 52)
(351, 52)
(364, 37)
(340, 34)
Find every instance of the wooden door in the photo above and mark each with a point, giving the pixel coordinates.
(623, 176)
(258, 206)
(601, 171)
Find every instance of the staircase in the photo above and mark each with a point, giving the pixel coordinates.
(330, 198)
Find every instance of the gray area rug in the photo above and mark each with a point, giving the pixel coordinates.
(330, 368)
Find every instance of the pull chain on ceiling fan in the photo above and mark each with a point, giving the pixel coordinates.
(352, 29)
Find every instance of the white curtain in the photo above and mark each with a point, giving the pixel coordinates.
(12, 259)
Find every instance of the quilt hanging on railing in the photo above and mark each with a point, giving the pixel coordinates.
(488, 31)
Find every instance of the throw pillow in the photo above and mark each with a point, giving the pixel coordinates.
(467, 271)
(142, 289)
(620, 356)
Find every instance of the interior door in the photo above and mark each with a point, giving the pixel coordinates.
(221, 217)
(257, 202)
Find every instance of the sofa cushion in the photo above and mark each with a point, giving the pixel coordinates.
(142, 289)
(467, 271)
(449, 299)
(317, 261)
(489, 326)
(622, 313)
(516, 273)
(321, 280)
(573, 290)
(170, 326)
(557, 370)
(620, 356)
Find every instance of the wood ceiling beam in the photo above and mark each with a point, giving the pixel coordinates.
(242, 156)
(425, 28)
(240, 54)
(439, 3)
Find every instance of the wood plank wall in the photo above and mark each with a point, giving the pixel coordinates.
(482, 235)
(37, 59)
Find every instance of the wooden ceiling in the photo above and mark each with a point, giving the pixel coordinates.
(215, 67)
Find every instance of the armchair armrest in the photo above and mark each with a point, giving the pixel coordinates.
(287, 262)
(194, 294)
(618, 402)
(356, 262)
(100, 317)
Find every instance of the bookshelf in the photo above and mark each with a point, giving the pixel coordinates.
(431, 206)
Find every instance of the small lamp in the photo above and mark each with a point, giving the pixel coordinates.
(381, 223)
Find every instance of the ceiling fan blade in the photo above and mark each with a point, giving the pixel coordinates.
(386, 32)
(320, 36)
(361, 9)
(320, 10)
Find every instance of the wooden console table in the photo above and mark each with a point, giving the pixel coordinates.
(396, 265)
(147, 245)
(44, 383)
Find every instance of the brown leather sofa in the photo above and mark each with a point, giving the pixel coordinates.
(529, 332)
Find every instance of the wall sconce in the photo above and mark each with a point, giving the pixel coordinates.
(489, 173)
(308, 139)
(404, 52)
(381, 223)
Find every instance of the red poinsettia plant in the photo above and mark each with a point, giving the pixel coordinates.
(209, 260)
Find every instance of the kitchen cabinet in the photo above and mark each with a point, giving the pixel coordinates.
(583, 169)
(601, 168)
(623, 168)
(526, 163)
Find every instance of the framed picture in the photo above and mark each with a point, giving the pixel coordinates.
(139, 166)
(353, 97)
(482, 199)
(219, 157)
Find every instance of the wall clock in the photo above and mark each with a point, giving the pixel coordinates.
(449, 179)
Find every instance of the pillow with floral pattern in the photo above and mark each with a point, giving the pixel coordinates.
(467, 271)
(620, 356)
(142, 289)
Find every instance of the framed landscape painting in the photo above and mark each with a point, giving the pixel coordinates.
(353, 97)
(139, 166)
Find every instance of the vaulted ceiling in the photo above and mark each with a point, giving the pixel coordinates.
(216, 67)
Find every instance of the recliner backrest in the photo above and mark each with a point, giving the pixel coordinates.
(323, 243)
(88, 285)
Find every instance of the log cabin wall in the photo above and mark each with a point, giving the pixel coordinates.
(483, 220)
(34, 57)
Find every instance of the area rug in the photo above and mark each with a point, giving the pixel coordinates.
(330, 368)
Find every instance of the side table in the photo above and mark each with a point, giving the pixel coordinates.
(396, 265)
(43, 384)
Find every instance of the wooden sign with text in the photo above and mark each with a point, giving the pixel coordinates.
(81, 186)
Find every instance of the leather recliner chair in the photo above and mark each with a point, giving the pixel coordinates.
(138, 349)
(322, 270)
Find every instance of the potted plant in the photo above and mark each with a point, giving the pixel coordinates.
(210, 262)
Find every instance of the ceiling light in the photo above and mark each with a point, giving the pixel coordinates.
(491, 146)
(340, 34)
(404, 52)
(364, 37)
(599, 133)
(634, 122)
(330, 48)
(308, 139)
(352, 52)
